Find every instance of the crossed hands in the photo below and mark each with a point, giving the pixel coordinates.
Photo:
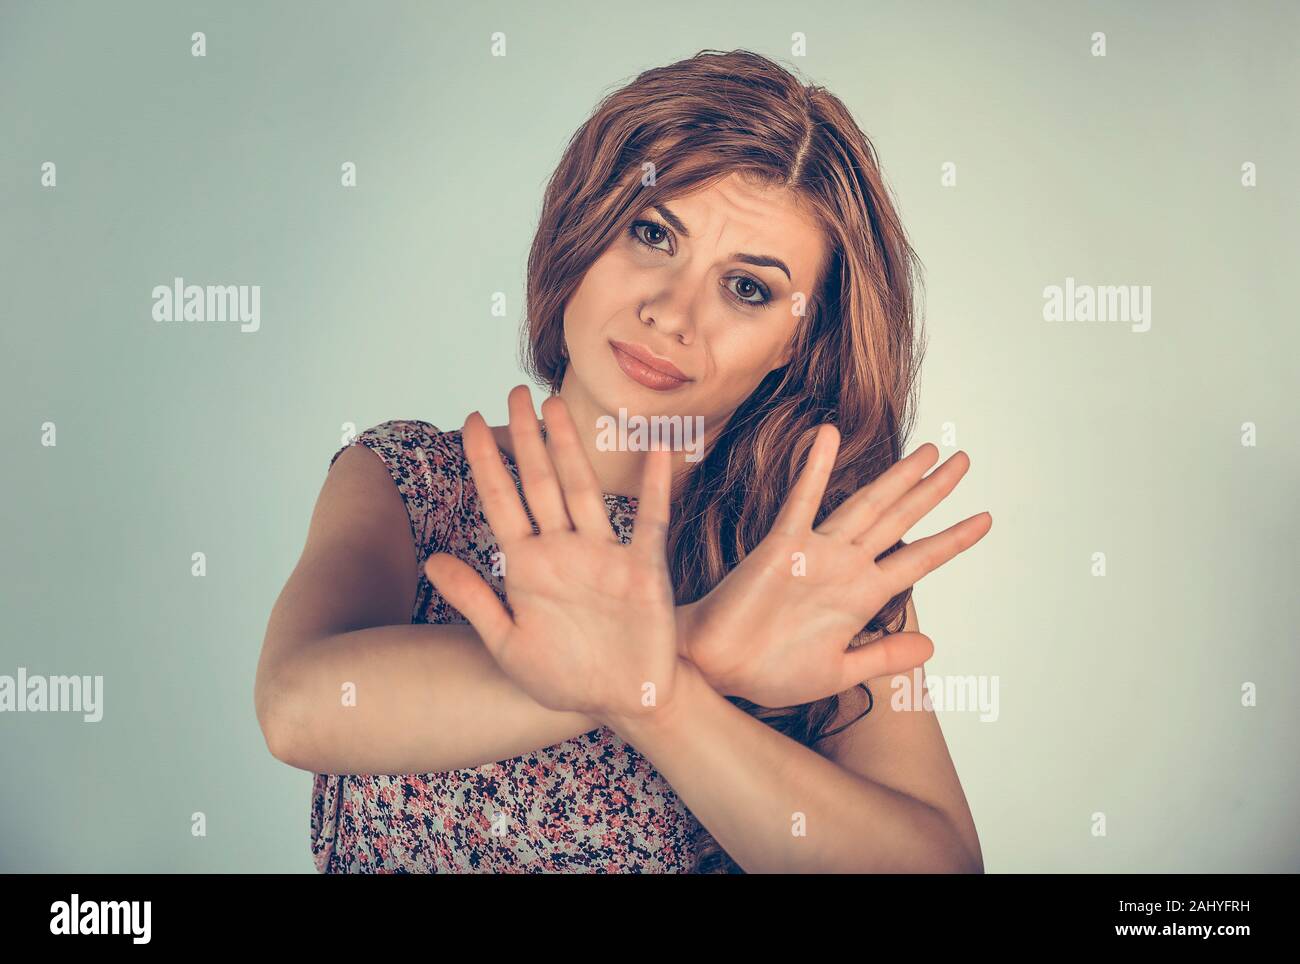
(592, 626)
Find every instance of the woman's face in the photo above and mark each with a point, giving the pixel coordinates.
(699, 284)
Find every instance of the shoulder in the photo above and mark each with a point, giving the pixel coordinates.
(403, 432)
(407, 446)
(425, 464)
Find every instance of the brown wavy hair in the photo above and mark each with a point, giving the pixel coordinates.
(856, 354)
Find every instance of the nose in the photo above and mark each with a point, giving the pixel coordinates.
(670, 315)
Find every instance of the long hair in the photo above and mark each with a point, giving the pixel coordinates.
(677, 129)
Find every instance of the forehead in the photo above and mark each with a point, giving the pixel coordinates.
(739, 214)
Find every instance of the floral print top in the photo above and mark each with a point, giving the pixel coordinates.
(589, 804)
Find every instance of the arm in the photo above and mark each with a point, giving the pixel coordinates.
(903, 749)
(428, 698)
(749, 786)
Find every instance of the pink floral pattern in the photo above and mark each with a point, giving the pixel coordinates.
(588, 804)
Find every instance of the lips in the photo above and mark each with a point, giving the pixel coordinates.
(645, 368)
(650, 360)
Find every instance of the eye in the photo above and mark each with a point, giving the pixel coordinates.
(659, 232)
(746, 286)
(651, 234)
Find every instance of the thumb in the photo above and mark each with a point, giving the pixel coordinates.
(890, 654)
(466, 590)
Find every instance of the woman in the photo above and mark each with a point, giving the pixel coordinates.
(717, 245)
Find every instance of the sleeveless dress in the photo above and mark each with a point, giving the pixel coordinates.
(589, 804)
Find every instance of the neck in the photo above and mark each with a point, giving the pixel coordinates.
(618, 469)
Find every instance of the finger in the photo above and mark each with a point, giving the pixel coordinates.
(465, 590)
(541, 487)
(650, 526)
(497, 493)
(890, 654)
(581, 489)
(855, 515)
(906, 566)
(800, 510)
(895, 521)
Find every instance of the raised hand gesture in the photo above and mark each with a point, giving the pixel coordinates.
(591, 626)
(777, 629)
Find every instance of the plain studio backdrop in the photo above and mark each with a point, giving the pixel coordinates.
(1118, 695)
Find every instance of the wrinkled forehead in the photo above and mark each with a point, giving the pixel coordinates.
(760, 217)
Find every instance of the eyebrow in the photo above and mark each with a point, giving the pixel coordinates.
(759, 260)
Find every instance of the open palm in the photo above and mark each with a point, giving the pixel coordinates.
(777, 629)
(591, 626)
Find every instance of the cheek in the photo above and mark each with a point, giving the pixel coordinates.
(754, 348)
(596, 298)
(742, 358)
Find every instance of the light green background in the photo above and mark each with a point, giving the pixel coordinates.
(1117, 694)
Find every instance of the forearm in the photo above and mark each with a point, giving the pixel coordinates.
(416, 698)
(777, 806)
(428, 698)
